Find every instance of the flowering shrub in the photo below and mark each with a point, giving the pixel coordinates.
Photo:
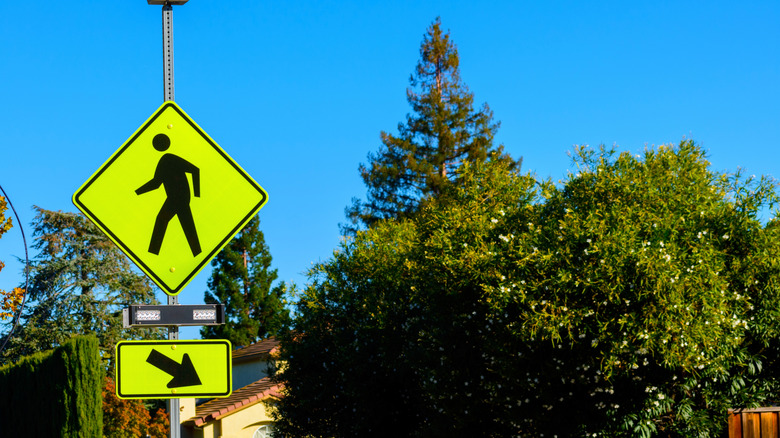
(637, 298)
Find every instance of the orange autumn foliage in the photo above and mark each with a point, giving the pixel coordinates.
(9, 301)
(130, 418)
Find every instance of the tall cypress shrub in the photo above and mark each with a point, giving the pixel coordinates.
(54, 393)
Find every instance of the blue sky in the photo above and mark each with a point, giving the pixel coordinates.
(298, 92)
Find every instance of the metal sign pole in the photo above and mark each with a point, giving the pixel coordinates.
(173, 331)
(174, 403)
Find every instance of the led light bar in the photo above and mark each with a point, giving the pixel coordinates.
(147, 315)
(143, 315)
(204, 314)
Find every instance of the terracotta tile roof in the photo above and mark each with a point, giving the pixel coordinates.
(264, 347)
(241, 398)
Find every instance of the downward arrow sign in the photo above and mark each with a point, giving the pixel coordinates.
(183, 373)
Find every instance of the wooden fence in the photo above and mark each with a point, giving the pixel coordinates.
(754, 423)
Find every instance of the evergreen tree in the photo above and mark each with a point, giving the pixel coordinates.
(242, 279)
(443, 132)
(79, 283)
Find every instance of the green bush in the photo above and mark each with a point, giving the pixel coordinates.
(54, 393)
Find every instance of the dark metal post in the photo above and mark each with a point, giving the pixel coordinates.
(174, 403)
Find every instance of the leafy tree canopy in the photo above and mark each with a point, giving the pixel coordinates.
(443, 132)
(639, 297)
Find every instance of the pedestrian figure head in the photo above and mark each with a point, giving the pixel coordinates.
(161, 142)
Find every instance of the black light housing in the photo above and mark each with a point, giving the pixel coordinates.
(145, 315)
(164, 2)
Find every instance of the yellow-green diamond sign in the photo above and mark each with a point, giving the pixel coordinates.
(173, 369)
(170, 198)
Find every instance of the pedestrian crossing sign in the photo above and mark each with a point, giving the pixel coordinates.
(170, 197)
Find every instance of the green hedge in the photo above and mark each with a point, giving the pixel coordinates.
(56, 393)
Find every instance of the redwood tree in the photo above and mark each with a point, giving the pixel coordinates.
(443, 132)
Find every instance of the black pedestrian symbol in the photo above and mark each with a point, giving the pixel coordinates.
(171, 173)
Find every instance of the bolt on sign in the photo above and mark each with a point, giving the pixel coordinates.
(170, 197)
(173, 369)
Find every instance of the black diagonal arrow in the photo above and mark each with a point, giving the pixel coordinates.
(183, 373)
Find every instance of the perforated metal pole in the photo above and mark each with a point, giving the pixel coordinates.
(167, 20)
